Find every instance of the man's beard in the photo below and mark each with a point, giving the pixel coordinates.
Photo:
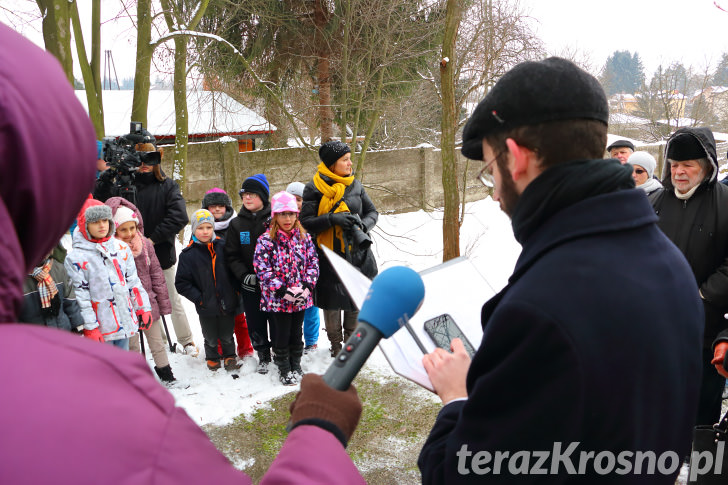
(509, 196)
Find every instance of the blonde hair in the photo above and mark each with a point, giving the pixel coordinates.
(274, 227)
(156, 169)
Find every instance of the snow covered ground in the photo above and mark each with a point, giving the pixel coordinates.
(413, 239)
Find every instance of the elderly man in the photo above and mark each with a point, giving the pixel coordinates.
(578, 355)
(693, 212)
(621, 150)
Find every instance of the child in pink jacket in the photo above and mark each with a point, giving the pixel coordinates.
(286, 265)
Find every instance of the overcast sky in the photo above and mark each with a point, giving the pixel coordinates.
(694, 32)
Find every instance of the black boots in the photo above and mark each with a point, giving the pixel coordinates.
(281, 357)
(296, 353)
(263, 361)
(165, 373)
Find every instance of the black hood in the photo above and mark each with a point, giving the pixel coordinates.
(705, 137)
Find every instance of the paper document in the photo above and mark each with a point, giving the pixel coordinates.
(455, 288)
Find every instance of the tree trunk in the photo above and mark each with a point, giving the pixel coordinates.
(180, 110)
(57, 32)
(450, 225)
(323, 56)
(93, 97)
(144, 53)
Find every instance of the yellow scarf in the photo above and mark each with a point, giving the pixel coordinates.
(331, 194)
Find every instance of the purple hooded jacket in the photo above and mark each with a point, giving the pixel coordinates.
(148, 268)
(47, 145)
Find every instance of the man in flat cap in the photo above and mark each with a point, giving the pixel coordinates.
(693, 212)
(621, 150)
(578, 354)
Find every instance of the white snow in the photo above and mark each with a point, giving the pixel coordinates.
(210, 112)
(413, 239)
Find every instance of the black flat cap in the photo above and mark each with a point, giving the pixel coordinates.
(531, 93)
(621, 144)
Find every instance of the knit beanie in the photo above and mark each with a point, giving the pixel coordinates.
(216, 196)
(256, 184)
(685, 146)
(283, 202)
(620, 144)
(554, 89)
(331, 151)
(123, 215)
(295, 188)
(201, 216)
(644, 160)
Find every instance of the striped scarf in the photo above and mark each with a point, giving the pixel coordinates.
(46, 286)
(331, 194)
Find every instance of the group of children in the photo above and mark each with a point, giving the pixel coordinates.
(265, 251)
(111, 286)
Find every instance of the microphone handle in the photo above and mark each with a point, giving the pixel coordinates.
(354, 353)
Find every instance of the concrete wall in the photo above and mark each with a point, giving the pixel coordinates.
(396, 180)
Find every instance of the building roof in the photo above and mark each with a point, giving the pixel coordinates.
(211, 113)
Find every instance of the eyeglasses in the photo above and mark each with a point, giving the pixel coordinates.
(249, 195)
(639, 171)
(288, 214)
(485, 176)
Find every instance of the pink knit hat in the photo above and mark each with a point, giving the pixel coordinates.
(283, 202)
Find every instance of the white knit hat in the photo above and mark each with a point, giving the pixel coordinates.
(644, 160)
(124, 214)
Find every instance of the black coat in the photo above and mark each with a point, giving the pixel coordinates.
(699, 228)
(242, 236)
(212, 292)
(69, 315)
(330, 293)
(163, 210)
(596, 339)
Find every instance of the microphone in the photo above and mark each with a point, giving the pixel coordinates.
(394, 297)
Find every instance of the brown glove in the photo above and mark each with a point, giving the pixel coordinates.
(719, 358)
(320, 405)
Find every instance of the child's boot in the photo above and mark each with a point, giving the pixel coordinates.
(231, 363)
(263, 361)
(296, 353)
(165, 373)
(213, 365)
(281, 357)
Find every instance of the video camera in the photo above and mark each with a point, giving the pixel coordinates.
(124, 160)
(120, 154)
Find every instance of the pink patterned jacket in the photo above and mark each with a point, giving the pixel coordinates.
(289, 260)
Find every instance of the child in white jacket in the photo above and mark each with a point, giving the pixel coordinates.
(108, 290)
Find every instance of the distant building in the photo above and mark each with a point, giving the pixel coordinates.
(212, 115)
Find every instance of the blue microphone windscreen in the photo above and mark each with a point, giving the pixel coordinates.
(394, 295)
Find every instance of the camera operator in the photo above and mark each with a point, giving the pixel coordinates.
(338, 212)
(135, 173)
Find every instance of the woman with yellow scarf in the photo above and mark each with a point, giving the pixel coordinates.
(339, 214)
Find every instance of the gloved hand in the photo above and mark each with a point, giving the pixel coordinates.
(292, 293)
(320, 405)
(250, 282)
(343, 219)
(94, 335)
(107, 176)
(145, 319)
(303, 296)
(719, 358)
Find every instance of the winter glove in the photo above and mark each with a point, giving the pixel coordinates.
(250, 282)
(719, 358)
(343, 219)
(319, 405)
(145, 320)
(107, 176)
(303, 297)
(94, 335)
(292, 294)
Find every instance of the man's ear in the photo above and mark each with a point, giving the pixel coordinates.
(521, 159)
